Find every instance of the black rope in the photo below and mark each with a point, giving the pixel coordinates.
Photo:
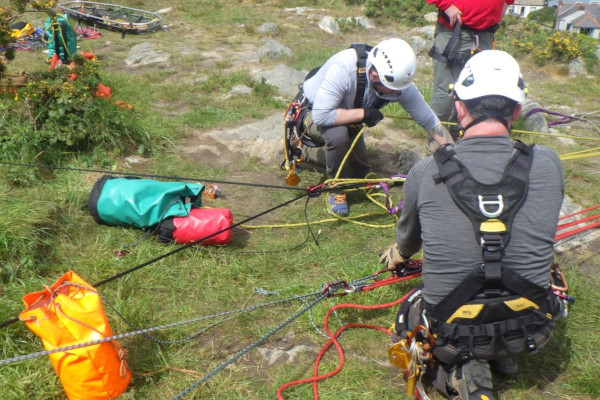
(151, 176)
(309, 233)
(195, 242)
(311, 193)
(170, 253)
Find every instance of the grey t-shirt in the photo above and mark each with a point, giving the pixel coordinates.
(334, 86)
(431, 219)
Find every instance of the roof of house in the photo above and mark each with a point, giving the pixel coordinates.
(587, 21)
(540, 3)
(580, 15)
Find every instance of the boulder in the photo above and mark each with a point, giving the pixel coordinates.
(329, 25)
(284, 78)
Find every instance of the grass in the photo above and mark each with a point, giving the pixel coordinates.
(46, 230)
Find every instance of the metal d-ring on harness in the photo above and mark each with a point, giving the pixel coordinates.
(493, 304)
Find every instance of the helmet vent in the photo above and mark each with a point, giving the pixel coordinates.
(389, 78)
(469, 80)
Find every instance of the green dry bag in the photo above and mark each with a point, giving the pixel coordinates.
(141, 203)
(60, 37)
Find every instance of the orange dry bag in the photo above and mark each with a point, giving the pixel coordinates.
(67, 313)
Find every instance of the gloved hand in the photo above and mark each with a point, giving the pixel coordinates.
(391, 256)
(372, 116)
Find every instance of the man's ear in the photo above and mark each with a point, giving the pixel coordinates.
(516, 114)
(461, 110)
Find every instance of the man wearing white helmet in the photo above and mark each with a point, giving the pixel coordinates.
(485, 212)
(338, 110)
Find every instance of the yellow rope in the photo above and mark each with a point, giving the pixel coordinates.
(358, 135)
(323, 221)
(519, 131)
(569, 156)
(557, 136)
(581, 154)
(348, 182)
(352, 181)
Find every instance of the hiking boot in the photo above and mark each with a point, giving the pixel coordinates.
(337, 204)
(473, 381)
(505, 366)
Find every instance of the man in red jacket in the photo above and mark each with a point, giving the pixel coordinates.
(463, 27)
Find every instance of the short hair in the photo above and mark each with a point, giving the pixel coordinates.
(491, 105)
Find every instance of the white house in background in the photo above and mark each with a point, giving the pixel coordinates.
(578, 18)
(522, 8)
(555, 3)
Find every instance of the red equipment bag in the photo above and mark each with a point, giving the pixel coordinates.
(201, 222)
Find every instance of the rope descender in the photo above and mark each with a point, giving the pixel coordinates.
(411, 355)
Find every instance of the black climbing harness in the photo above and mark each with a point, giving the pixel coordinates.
(493, 304)
(458, 60)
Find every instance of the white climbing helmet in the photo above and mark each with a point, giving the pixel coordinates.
(491, 72)
(395, 63)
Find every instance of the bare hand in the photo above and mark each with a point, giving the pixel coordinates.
(454, 14)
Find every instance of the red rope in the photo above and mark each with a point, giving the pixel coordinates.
(388, 281)
(575, 231)
(579, 212)
(572, 232)
(333, 341)
(579, 221)
(340, 352)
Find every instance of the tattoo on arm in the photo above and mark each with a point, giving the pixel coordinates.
(440, 134)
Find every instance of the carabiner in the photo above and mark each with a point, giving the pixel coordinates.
(330, 288)
(421, 328)
(558, 275)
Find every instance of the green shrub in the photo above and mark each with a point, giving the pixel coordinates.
(520, 38)
(407, 11)
(560, 46)
(543, 16)
(8, 53)
(58, 113)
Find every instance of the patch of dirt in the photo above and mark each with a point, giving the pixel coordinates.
(588, 260)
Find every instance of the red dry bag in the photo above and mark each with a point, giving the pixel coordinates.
(201, 222)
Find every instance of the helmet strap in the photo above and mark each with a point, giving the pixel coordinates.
(498, 117)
